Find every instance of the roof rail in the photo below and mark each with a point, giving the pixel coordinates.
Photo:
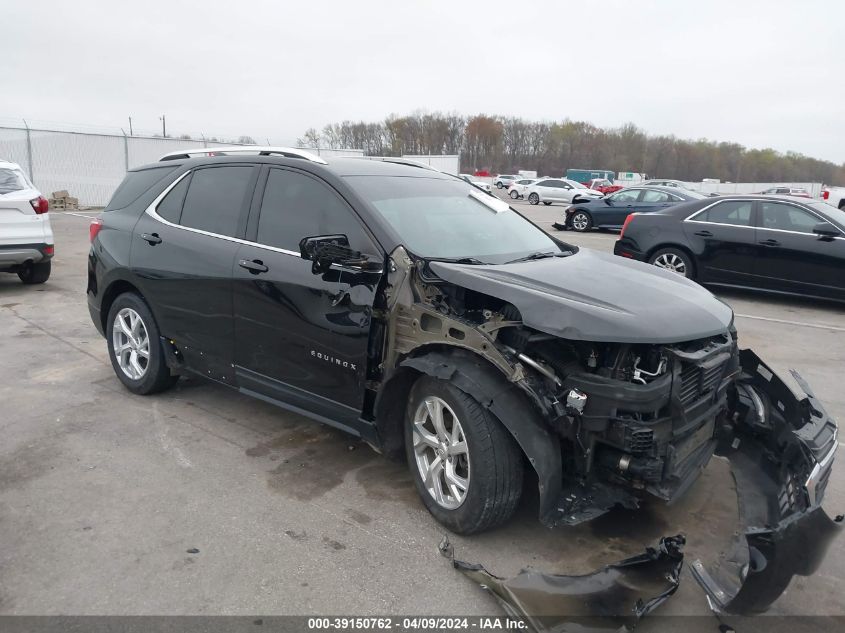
(245, 150)
(397, 160)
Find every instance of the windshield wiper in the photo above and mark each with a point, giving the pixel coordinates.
(457, 260)
(537, 255)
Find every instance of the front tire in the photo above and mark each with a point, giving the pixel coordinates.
(513, 194)
(499, 185)
(35, 273)
(674, 260)
(466, 466)
(135, 349)
(533, 198)
(581, 221)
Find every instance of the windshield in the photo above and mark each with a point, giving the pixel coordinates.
(448, 219)
(837, 216)
(12, 180)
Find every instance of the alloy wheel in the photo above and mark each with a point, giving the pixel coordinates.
(131, 343)
(440, 451)
(513, 194)
(671, 261)
(580, 222)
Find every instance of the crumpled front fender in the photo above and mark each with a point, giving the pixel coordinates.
(781, 451)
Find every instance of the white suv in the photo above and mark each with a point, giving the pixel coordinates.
(26, 237)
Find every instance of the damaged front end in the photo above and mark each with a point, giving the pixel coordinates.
(612, 398)
(781, 451)
(615, 596)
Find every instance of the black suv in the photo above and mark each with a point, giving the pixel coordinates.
(409, 308)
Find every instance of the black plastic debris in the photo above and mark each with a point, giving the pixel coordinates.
(193, 550)
(612, 597)
(781, 451)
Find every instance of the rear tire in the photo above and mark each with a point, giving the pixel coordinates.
(546, 203)
(150, 374)
(35, 273)
(489, 465)
(533, 198)
(675, 260)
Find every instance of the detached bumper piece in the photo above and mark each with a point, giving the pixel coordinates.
(781, 451)
(615, 596)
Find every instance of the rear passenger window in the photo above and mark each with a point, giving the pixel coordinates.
(170, 208)
(296, 206)
(736, 212)
(215, 199)
(134, 184)
(652, 195)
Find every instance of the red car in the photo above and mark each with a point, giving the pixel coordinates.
(603, 185)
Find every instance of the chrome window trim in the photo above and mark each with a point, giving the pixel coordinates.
(761, 228)
(692, 217)
(151, 211)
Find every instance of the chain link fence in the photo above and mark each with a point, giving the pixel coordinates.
(90, 166)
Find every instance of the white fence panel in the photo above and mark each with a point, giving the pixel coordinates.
(13, 147)
(89, 166)
(144, 150)
(727, 188)
(447, 163)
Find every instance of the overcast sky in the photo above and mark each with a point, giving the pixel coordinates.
(764, 74)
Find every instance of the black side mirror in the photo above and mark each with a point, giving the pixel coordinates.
(324, 250)
(823, 229)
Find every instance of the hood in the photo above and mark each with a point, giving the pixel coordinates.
(592, 296)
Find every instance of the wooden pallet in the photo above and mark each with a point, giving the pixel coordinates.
(64, 204)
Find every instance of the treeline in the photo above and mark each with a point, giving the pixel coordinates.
(507, 144)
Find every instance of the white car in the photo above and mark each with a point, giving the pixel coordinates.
(548, 190)
(26, 237)
(484, 185)
(517, 188)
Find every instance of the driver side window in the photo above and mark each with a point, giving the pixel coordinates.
(296, 206)
(786, 217)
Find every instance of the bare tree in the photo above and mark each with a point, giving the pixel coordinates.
(311, 138)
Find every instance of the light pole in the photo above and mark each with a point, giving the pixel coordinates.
(163, 126)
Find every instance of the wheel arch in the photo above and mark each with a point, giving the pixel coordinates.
(480, 379)
(112, 292)
(582, 210)
(680, 247)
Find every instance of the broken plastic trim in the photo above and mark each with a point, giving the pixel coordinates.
(780, 451)
(614, 596)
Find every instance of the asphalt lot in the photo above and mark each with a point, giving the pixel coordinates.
(102, 493)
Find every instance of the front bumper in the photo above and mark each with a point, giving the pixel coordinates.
(781, 453)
